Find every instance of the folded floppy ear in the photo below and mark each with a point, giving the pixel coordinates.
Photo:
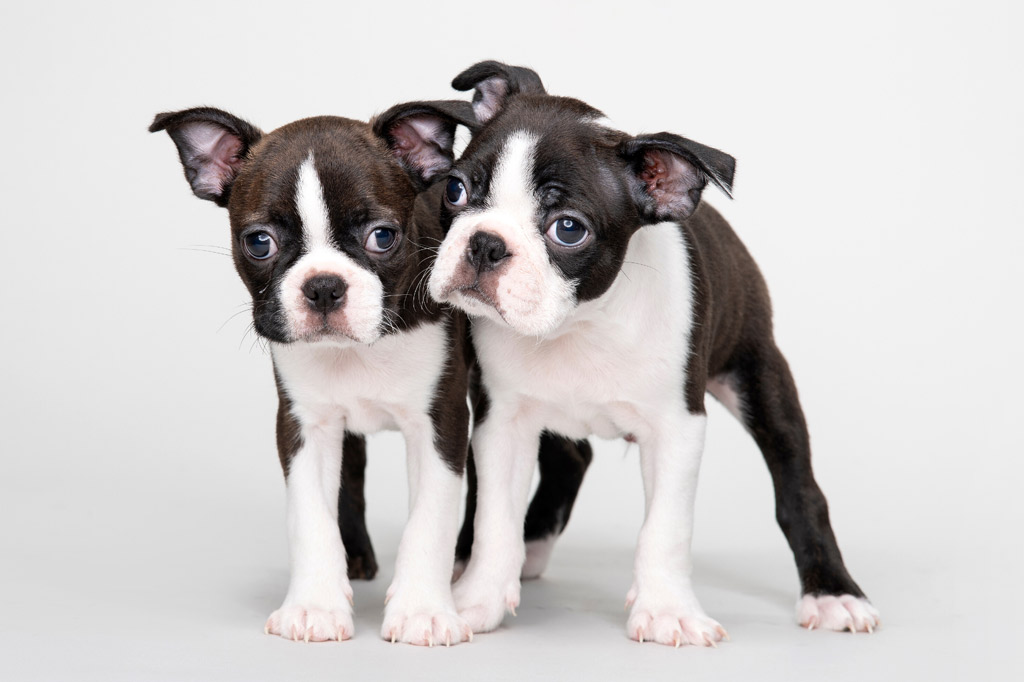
(494, 83)
(421, 135)
(213, 146)
(672, 172)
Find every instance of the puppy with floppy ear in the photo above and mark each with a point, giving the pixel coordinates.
(332, 226)
(607, 299)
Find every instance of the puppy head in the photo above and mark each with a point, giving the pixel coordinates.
(541, 207)
(320, 212)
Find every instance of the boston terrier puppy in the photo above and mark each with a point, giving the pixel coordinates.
(333, 228)
(606, 299)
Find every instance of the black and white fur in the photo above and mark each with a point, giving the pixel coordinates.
(355, 349)
(618, 335)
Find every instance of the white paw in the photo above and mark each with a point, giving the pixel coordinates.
(424, 626)
(831, 612)
(538, 553)
(483, 603)
(671, 624)
(310, 625)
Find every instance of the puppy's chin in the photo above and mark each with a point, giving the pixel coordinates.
(534, 325)
(327, 334)
(331, 336)
(474, 304)
(478, 305)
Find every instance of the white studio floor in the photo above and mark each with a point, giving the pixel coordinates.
(116, 585)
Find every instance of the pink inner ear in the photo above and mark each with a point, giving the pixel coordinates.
(670, 180)
(418, 140)
(215, 155)
(655, 169)
(225, 153)
(492, 95)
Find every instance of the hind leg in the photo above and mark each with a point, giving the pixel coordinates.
(759, 389)
(362, 563)
(562, 463)
(464, 545)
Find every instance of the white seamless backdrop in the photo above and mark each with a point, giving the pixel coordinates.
(879, 150)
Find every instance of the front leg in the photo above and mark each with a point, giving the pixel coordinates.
(318, 604)
(505, 450)
(420, 609)
(664, 607)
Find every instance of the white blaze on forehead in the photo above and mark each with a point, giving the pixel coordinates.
(532, 294)
(360, 316)
(512, 190)
(309, 201)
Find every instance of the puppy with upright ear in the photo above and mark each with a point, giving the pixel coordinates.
(422, 135)
(212, 145)
(607, 298)
(330, 223)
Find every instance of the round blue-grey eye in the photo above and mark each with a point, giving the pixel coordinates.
(567, 232)
(381, 239)
(259, 245)
(455, 192)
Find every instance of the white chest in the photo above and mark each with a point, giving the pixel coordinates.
(375, 387)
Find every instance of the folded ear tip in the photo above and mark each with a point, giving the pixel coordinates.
(726, 181)
(461, 83)
(722, 182)
(469, 77)
(525, 79)
(159, 122)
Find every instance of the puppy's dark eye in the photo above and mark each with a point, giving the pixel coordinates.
(259, 245)
(455, 192)
(381, 239)
(567, 232)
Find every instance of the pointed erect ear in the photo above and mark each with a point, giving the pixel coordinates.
(672, 171)
(213, 146)
(494, 83)
(421, 135)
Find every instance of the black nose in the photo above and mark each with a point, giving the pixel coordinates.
(324, 293)
(485, 251)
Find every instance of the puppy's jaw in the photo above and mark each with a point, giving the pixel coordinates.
(361, 315)
(525, 291)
